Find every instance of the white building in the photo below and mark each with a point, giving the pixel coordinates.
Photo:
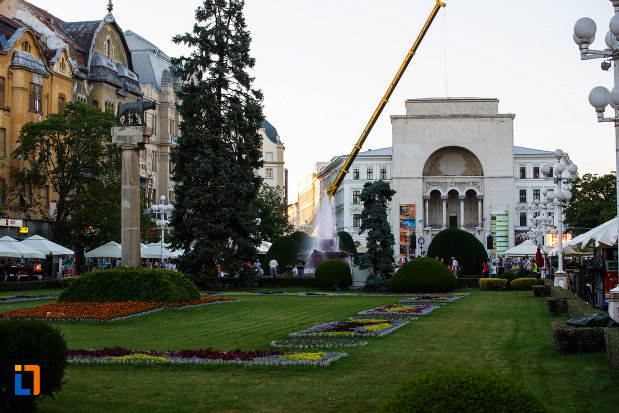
(453, 164)
(273, 172)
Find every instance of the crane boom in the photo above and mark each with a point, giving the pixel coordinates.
(344, 170)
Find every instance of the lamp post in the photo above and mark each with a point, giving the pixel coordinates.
(165, 210)
(559, 196)
(600, 97)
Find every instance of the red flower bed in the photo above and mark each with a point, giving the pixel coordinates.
(101, 311)
(207, 353)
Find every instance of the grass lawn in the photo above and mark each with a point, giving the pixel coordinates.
(508, 332)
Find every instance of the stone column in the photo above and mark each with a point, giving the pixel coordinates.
(480, 218)
(131, 140)
(426, 211)
(444, 199)
(461, 198)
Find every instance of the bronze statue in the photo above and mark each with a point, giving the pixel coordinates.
(129, 112)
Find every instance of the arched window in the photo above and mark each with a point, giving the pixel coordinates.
(109, 50)
(95, 103)
(61, 101)
(25, 47)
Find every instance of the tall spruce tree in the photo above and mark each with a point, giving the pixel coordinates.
(219, 149)
(374, 220)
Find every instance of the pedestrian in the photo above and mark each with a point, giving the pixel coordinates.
(500, 267)
(486, 268)
(273, 267)
(454, 266)
(300, 266)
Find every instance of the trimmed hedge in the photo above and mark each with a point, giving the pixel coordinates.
(454, 242)
(67, 281)
(30, 342)
(523, 283)
(333, 274)
(541, 291)
(30, 285)
(423, 275)
(611, 338)
(462, 391)
(569, 339)
(131, 284)
(556, 306)
(467, 282)
(285, 250)
(497, 284)
(305, 241)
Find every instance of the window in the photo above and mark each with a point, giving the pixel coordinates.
(63, 65)
(61, 103)
(268, 156)
(1, 92)
(356, 197)
(370, 175)
(536, 172)
(109, 51)
(46, 196)
(95, 103)
(269, 173)
(536, 194)
(35, 98)
(523, 172)
(3, 148)
(356, 220)
(523, 196)
(551, 173)
(383, 173)
(355, 173)
(109, 106)
(25, 47)
(523, 219)
(154, 161)
(25, 198)
(2, 191)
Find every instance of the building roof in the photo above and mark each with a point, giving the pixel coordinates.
(520, 150)
(271, 132)
(377, 152)
(149, 62)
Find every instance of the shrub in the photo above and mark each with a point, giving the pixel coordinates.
(376, 284)
(611, 337)
(423, 275)
(285, 251)
(67, 281)
(30, 342)
(29, 285)
(131, 284)
(348, 244)
(453, 242)
(556, 306)
(541, 290)
(523, 283)
(497, 284)
(305, 241)
(569, 339)
(333, 274)
(462, 391)
(509, 276)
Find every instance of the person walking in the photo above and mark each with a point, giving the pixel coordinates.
(300, 266)
(273, 267)
(454, 266)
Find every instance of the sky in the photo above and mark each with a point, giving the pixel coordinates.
(324, 65)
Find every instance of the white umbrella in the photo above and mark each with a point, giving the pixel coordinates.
(46, 246)
(525, 249)
(264, 247)
(23, 250)
(109, 250)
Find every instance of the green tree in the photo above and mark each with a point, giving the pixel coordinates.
(270, 208)
(218, 151)
(594, 201)
(380, 239)
(65, 154)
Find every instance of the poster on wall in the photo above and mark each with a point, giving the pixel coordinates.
(499, 228)
(407, 228)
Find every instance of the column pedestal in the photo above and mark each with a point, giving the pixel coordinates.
(131, 140)
(613, 304)
(561, 279)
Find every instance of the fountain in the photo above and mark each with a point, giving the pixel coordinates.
(326, 245)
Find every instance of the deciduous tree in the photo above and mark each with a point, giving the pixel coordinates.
(594, 201)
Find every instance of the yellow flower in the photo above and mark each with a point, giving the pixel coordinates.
(304, 356)
(140, 356)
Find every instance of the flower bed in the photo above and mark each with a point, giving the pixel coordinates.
(90, 311)
(317, 342)
(119, 355)
(434, 299)
(353, 328)
(401, 309)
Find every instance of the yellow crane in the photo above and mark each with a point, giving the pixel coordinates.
(344, 170)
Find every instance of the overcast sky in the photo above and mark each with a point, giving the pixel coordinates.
(323, 66)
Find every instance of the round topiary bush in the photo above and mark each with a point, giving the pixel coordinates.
(453, 242)
(131, 284)
(462, 391)
(30, 342)
(305, 241)
(348, 244)
(509, 276)
(423, 275)
(285, 251)
(333, 274)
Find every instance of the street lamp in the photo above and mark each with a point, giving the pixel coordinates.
(600, 97)
(559, 196)
(165, 210)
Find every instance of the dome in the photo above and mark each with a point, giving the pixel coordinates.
(271, 132)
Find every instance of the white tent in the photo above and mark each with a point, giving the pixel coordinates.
(154, 251)
(604, 235)
(45, 246)
(23, 250)
(109, 250)
(526, 249)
